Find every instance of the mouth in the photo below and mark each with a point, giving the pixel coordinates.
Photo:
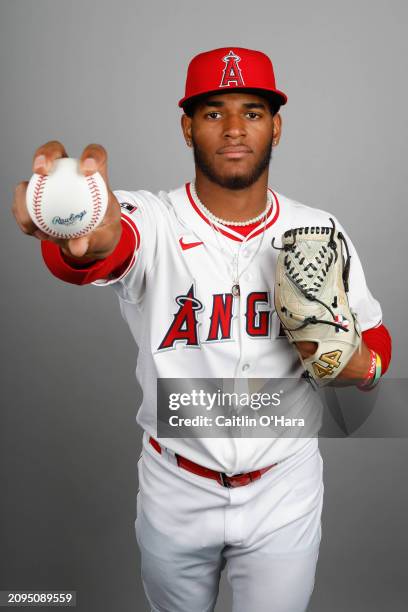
(234, 151)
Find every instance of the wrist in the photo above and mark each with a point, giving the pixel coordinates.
(373, 374)
(112, 236)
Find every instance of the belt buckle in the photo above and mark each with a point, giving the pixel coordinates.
(239, 480)
(224, 480)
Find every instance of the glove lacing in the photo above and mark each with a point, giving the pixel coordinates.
(323, 253)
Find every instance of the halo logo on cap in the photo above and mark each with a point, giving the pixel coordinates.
(232, 74)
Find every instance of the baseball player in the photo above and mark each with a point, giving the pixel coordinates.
(206, 295)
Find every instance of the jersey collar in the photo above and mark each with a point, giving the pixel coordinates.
(229, 232)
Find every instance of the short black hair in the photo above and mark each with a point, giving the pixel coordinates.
(273, 100)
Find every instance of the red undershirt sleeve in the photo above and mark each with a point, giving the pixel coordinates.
(110, 268)
(379, 340)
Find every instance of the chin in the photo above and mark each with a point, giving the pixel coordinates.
(235, 180)
(232, 174)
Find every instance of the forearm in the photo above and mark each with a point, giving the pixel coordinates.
(358, 366)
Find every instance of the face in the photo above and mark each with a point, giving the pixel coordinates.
(232, 136)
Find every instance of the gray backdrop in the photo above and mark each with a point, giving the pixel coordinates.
(112, 72)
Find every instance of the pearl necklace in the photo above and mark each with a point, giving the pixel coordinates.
(215, 219)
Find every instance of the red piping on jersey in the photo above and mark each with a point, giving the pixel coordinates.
(127, 219)
(225, 232)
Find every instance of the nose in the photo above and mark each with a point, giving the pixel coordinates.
(234, 126)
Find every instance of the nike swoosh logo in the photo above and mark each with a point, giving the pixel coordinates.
(188, 245)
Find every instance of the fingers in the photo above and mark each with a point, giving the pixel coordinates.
(95, 159)
(20, 212)
(97, 244)
(23, 219)
(104, 237)
(306, 348)
(77, 247)
(45, 156)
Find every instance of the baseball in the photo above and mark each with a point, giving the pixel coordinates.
(65, 203)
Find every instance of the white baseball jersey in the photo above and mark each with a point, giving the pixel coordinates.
(177, 299)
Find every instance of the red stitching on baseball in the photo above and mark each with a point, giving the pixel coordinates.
(37, 197)
(97, 207)
(96, 201)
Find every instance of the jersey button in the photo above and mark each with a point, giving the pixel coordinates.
(245, 367)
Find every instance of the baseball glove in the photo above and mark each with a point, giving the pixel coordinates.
(311, 298)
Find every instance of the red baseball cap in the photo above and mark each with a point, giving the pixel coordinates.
(231, 69)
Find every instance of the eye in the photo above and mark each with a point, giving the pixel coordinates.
(253, 115)
(213, 115)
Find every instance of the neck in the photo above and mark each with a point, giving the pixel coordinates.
(229, 204)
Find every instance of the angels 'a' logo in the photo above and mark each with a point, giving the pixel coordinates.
(185, 324)
(232, 74)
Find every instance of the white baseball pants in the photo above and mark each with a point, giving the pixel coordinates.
(266, 534)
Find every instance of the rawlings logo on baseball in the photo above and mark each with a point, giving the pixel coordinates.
(51, 198)
(73, 218)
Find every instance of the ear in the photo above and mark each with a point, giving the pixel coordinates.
(277, 129)
(186, 127)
